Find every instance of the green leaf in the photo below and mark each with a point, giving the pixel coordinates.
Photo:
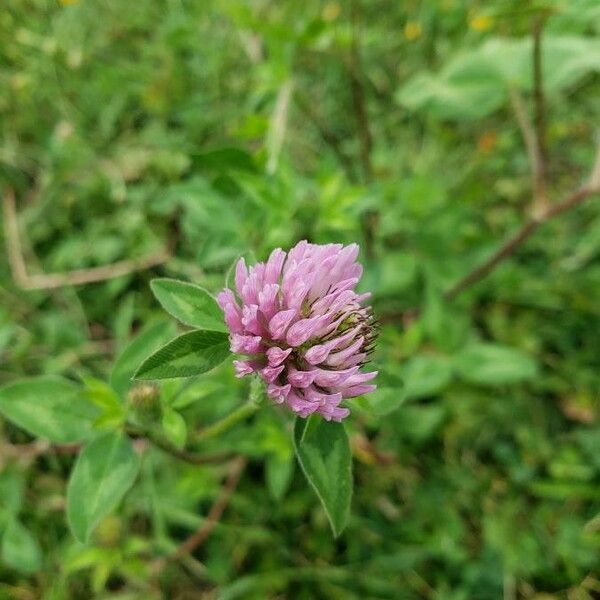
(475, 83)
(174, 427)
(278, 475)
(101, 394)
(323, 452)
(389, 395)
(140, 348)
(105, 469)
(385, 400)
(190, 354)
(189, 303)
(426, 375)
(12, 486)
(20, 550)
(224, 159)
(48, 407)
(492, 364)
(109, 402)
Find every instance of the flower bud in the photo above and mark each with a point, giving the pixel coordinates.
(144, 403)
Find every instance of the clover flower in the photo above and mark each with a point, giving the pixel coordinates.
(302, 327)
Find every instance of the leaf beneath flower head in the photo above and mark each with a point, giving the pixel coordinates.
(151, 338)
(190, 354)
(323, 452)
(189, 303)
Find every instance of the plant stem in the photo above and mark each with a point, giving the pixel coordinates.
(222, 425)
(157, 440)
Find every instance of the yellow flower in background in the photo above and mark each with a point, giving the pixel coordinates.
(481, 22)
(68, 2)
(412, 30)
(331, 11)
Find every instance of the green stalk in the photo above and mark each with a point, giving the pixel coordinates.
(239, 414)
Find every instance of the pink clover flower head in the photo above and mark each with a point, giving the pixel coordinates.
(302, 327)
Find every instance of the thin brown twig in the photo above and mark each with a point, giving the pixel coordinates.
(532, 146)
(510, 245)
(591, 187)
(32, 450)
(185, 455)
(215, 513)
(46, 281)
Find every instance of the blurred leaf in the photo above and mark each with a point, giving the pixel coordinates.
(48, 407)
(225, 159)
(323, 452)
(123, 320)
(105, 397)
(426, 375)
(385, 400)
(474, 83)
(20, 550)
(189, 303)
(190, 354)
(139, 348)
(492, 364)
(101, 394)
(421, 423)
(466, 89)
(12, 484)
(278, 474)
(174, 427)
(105, 469)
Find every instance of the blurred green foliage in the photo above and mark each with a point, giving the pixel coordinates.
(225, 128)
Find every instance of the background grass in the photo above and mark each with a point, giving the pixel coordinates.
(227, 127)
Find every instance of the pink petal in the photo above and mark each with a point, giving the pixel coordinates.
(268, 301)
(226, 297)
(302, 330)
(278, 393)
(274, 266)
(241, 275)
(326, 378)
(250, 319)
(244, 367)
(270, 374)
(276, 355)
(300, 379)
(280, 322)
(337, 359)
(233, 318)
(358, 390)
(333, 413)
(245, 344)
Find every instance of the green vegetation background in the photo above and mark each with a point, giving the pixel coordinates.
(227, 127)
